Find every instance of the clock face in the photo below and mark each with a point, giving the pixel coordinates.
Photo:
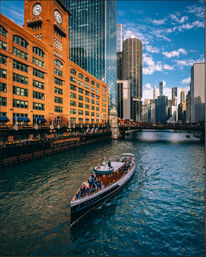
(58, 16)
(37, 9)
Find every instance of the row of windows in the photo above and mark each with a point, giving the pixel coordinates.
(58, 109)
(20, 79)
(38, 51)
(3, 45)
(38, 84)
(20, 41)
(73, 119)
(3, 87)
(20, 53)
(58, 81)
(38, 95)
(38, 73)
(20, 103)
(57, 44)
(20, 91)
(73, 71)
(20, 66)
(3, 59)
(3, 101)
(58, 100)
(58, 91)
(3, 73)
(38, 62)
(38, 106)
(3, 32)
(58, 63)
(58, 72)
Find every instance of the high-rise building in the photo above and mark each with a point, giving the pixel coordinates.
(161, 109)
(188, 107)
(120, 37)
(197, 89)
(154, 93)
(92, 33)
(174, 92)
(120, 65)
(182, 96)
(124, 99)
(132, 69)
(161, 88)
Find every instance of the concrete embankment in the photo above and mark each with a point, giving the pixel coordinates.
(15, 153)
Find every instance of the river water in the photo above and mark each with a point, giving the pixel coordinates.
(160, 211)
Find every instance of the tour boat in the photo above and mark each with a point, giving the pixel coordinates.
(105, 181)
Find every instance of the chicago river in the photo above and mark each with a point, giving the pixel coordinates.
(159, 212)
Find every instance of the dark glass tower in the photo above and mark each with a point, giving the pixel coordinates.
(174, 92)
(92, 33)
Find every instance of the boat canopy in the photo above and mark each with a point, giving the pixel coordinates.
(105, 169)
(127, 154)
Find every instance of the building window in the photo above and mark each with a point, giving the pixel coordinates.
(58, 91)
(72, 103)
(58, 72)
(97, 108)
(80, 119)
(73, 111)
(92, 108)
(81, 105)
(20, 78)
(72, 71)
(72, 79)
(93, 102)
(20, 104)
(92, 113)
(81, 91)
(20, 41)
(87, 93)
(87, 79)
(73, 95)
(72, 87)
(87, 113)
(97, 85)
(92, 95)
(58, 100)
(3, 87)
(38, 95)
(58, 109)
(3, 101)
(38, 62)
(81, 97)
(72, 119)
(80, 112)
(92, 83)
(97, 97)
(3, 32)
(20, 53)
(38, 106)
(87, 100)
(20, 91)
(38, 84)
(38, 73)
(58, 81)
(80, 76)
(3, 59)
(87, 86)
(86, 106)
(20, 66)
(97, 91)
(3, 73)
(80, 83)
(58, 63)
(38, 51)
(3, 45)
(92, 89)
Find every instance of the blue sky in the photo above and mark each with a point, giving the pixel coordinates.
(172, 33)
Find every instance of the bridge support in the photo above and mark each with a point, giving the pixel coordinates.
(113, 120)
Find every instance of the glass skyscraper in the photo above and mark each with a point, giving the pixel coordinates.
(92, 33)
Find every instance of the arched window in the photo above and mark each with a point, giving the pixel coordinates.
(3, 32)
(38, 51)
(58, 63)
(20, 41)
(73, 71)
(80, 76)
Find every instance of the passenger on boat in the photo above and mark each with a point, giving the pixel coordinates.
(109, 164)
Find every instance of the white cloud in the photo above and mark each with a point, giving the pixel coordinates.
(175, 53)
(197, 10)
(189, 62)
(179, 20)
(159, 22)
(168, 67)
(151, 49)
(148, 86)
(186, 81)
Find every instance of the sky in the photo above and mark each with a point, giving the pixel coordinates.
(172, 34)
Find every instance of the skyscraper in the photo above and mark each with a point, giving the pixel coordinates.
(182, 96)
(161, 88)
(92, 33)
(120, 37)
(132, 69)
(154, 93)
(174, 92)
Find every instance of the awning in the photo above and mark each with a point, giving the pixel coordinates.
(39, 119)
(26, 119)
(4, 118)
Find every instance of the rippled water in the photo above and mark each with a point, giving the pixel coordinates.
(159, 212)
